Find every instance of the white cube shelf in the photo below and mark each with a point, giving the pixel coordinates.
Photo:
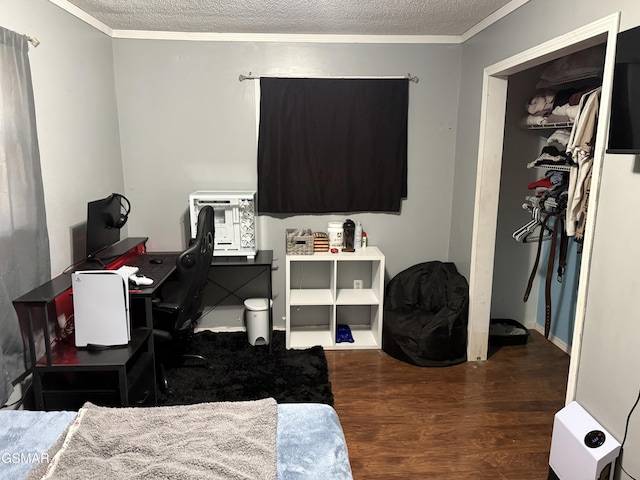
(320, 295)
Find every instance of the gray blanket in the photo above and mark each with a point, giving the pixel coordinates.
(224, 440)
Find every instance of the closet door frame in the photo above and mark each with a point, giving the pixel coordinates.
(494, 98)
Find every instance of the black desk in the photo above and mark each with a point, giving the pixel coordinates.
(65, 376)
(232, 280)
(159, 273)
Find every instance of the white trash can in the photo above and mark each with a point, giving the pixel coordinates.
(256, 315)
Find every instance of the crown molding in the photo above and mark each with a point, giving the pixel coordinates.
(288, 38)
(493, 18)
(82, 15)
(283, 38)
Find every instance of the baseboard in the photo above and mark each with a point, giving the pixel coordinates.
(228, 329)
(553, 339)
(220, 329)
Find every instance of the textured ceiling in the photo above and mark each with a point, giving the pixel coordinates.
(336, 17)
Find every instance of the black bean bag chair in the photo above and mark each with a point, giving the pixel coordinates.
(426, 310)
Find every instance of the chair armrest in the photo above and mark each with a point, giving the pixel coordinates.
(161, 335)
(168, 308)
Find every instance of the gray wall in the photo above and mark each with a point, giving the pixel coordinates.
(77, 122)
(608, 381)
(608, 376)
(185, 123)
(532, 24)
(188, 124)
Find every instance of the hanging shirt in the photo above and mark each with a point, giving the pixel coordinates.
(580, 147)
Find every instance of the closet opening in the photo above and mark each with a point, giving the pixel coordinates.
(543, 188)
(500, 265)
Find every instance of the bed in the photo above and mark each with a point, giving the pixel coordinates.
(227, 440)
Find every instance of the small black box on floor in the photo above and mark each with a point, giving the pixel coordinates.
(505, 331)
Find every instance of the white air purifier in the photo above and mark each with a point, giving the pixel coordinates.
(581, 449)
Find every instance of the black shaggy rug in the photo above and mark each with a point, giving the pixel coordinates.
(239, 371)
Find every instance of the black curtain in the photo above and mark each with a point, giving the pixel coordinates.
(332, 145)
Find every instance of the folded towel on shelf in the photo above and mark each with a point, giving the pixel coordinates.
(567, 110)
(541, 102)
(535, 120)
(550, 155)
(560, 136)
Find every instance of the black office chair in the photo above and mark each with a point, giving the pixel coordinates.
(178, 308)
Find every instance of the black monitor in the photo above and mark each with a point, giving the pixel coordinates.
(102, 221)
(624, 130)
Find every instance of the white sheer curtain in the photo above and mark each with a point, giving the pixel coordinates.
(24, 242)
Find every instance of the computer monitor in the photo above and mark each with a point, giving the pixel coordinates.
(102, 224)
(624, 127)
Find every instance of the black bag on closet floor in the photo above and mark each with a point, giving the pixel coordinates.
(426, 312)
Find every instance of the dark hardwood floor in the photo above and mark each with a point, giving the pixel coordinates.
(474, 421)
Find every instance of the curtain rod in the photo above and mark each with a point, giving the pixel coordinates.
(32, 40)
(408, 76)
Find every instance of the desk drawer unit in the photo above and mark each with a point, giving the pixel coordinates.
(141, 381)
(119, 376)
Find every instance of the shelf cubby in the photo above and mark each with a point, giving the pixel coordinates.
(325, 290)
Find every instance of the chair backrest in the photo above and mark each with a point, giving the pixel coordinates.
(192, 269)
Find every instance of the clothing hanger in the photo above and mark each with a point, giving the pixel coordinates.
(525, 234)
(531, 225)
(544, 231)
(524, 230)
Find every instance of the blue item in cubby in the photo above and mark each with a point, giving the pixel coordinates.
(344, 334)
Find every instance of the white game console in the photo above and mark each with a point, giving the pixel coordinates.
(100, 308)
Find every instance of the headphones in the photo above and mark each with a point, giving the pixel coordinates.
(125, 205)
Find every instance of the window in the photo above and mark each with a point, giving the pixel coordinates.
(332, 145)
